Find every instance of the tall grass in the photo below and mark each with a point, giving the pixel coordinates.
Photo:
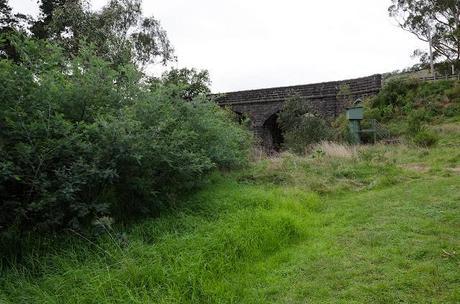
(176, 258)
(335, 150)
(322, 228)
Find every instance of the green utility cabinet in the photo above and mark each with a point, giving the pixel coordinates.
(354, 115)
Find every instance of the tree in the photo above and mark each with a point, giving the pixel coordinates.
(6, 20)
(9, 24)
(189, 83)
(438, 19)
(5, 14)
(119, 31)
(40, 27)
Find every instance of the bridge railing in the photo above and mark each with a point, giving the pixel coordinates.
(424, 78)
(439, 77)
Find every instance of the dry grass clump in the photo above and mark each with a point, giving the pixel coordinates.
(335, 150)
(418, 167)
(257, 154)
(448, 128)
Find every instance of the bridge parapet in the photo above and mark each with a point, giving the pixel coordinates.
(370, 84)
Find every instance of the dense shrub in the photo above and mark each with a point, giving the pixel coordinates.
(301, 128)
(394, 95)
(401, 96)
(408, 105)
(81, 138)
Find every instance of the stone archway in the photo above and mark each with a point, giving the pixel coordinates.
(272, 135)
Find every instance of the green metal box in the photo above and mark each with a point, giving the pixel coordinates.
(355, 113)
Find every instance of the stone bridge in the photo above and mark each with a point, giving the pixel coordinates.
(263, 105)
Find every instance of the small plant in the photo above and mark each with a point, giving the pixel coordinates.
(318, 153)
(345, 95)
(415, 122)
(425, 138)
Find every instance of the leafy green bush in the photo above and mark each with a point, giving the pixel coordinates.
(415, 121)
(311, 130)
(453, 93)
(301, 128)
(341, 129)
(407, 105)
(402, 96)
(394, 95)
(81, 138)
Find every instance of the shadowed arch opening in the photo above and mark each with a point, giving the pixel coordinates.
(272, 135)
(239, 117)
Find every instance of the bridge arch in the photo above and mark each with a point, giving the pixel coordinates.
(272, 135)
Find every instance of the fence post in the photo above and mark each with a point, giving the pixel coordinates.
(374, 126)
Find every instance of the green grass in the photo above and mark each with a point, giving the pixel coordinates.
(380, 227)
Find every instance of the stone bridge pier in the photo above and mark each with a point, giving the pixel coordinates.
(262, 106)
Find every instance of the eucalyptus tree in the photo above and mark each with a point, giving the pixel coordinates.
(119, 31)
(435, 20)
(10, 23)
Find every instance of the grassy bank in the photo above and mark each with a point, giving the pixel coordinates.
(378, 224)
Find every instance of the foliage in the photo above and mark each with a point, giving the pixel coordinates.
(9, 23)
(373, 228)
(341, 130)
(300, 126)
(393, 96)
(189, 82)
(439, 19)
(402, 96)
(408, 106)
(425, 138)
(344, 95)
(415, 121)
(80, 138)
(6, 17)
(119, 31)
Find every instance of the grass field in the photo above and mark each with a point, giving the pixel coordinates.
(378, 224)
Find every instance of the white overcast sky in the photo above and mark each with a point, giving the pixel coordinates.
(249, 44)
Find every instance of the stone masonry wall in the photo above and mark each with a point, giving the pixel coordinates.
(260, 104)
